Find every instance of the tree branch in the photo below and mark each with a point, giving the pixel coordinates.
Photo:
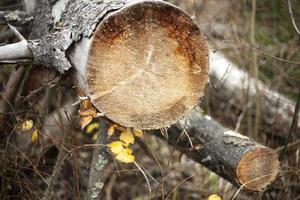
(16, 53)
(98, 164)
(235, 157)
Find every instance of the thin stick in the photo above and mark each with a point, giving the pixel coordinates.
(56, 171)
(255, 72)
(178, 185)
(293, 126)
(148, 183)
(292, 17)
(32, 165)
(16, 32)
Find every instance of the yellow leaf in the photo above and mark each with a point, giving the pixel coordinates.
(95, 137)
(214, 197)
(85, 121)
(34, 135)
(92, 127)
(116, 147)
(111, 130)
(85, 104)
(127, 137)
(138, 133)
(129, 150)
(26, 125)
(90, 111)
(125, 156)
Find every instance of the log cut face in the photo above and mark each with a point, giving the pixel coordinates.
(257, 168)
(147, 65)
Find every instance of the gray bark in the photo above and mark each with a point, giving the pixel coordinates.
(16, 18)
(79, 20)
(216, 147)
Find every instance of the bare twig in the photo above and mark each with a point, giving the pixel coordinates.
(178, 185)
(146, 178)
(264, 53)
(57, 169)
(10, 93)
(16, 32)
(98, 164)
(255, 71)
(7, 35)
(292, 18)
(293, 126)
(29, 161)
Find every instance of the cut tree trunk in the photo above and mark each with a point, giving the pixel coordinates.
(235, 157)
(143, 64)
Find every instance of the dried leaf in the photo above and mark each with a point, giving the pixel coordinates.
(90, 111)
(92, 127)
(95, 137)
(116, 147)
(125, 156)
(85, 104)
(85, 120)
(127, 137)
(34, 135)
(111, 130)
(26, 125)
(214, 197)
(138, 133)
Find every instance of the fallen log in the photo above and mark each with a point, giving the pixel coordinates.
(143, 64)
(233, 156)
(228, 87)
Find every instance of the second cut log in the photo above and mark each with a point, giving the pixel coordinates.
(235, 157)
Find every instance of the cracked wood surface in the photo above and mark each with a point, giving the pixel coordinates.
(154, 65)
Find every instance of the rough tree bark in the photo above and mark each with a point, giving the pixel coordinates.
(128, 55)
(231, 155)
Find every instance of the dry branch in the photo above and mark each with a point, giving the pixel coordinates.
(15, 53)
(235, 157)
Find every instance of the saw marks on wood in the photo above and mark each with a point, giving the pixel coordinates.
(147, 66)
(258, 168)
